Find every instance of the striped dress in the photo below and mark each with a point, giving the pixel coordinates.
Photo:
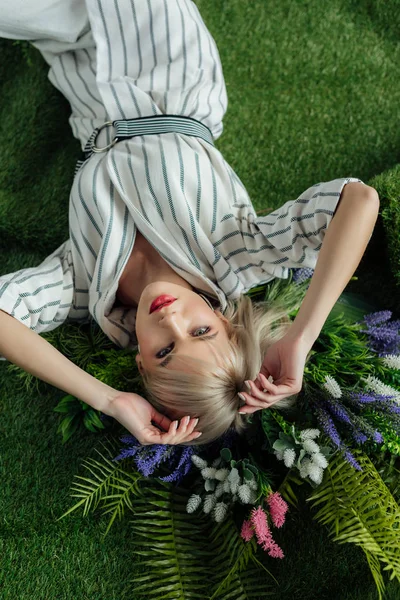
(123, 59)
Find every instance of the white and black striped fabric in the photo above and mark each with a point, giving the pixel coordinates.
(129, 59)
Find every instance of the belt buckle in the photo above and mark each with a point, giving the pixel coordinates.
(95, 148)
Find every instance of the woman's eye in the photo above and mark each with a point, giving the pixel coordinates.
(160, 353)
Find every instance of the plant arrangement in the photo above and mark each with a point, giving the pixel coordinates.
(204, 517)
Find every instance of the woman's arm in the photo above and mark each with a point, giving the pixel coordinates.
(342, 249)
(27, 349)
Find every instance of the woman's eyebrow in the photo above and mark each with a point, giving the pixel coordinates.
(200, 338)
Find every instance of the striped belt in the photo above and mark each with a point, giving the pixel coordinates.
(125, 129)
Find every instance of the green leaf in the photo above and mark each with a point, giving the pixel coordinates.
(67, 427)
(247, 474)
(280, 445)
(300, 458)
(87, 421)
(66, 405)
(96, 419)
(253, 469)
(226, 454)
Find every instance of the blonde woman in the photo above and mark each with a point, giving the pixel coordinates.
(164, 240)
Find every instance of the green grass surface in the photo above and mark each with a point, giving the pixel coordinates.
(314, 94)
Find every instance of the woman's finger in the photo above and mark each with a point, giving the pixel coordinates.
(248, 410)
(161, 419)
(266, 384)
(266, 402)
(255, 391)
(253, 401)
(192, 424)
(183, 425)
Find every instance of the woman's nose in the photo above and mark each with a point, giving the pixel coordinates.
(173, 321)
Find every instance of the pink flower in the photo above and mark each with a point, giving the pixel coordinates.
(247, 531)
(274, 550)
(259, 521)
(277, 508)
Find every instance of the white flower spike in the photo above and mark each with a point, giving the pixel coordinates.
(220, 511)
(193, 503)
(309, 434)
(310, 446)
(392, 361)
(199, 462)
(208, 473)
(289, 456)
(333, 387)
(209, 503)
(376, 385)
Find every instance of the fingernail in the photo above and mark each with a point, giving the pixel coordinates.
(197, 420)
(242, 413)
(247, 384)
(198, 435)
(176, 424)
(242, 397)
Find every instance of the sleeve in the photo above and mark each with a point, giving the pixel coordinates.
(43, 297)
(294, 233)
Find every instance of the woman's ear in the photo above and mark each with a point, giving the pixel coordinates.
(139, 363)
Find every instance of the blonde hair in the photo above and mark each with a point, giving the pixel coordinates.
(209, 391)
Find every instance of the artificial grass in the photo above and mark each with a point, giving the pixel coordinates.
(314, 94)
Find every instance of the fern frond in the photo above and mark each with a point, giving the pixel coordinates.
(360, 509)
(246, 585)
(174, 546)
(108, 477)
(238, 573)
(286, 490)
(375, 567)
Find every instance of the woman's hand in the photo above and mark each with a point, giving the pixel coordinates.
(137, 414)
(284, 363)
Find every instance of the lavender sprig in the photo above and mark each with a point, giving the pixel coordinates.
(183, 467)
(379, 402)
(330, 430)
(300, 275)
(149, 458)
(384, 337)
(356, 422)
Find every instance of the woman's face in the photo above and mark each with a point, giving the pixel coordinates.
(182, 326)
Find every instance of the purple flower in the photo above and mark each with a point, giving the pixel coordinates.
(328, 426)
(376, 401)
(384, 337)
(367, 397)
(377, 317)
(359, 437)
(300, 275)
(183, 467)
(350, 459)
(337, 410)
(149, 458)
(378, 437)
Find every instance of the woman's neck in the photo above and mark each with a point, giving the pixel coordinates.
(144, 266)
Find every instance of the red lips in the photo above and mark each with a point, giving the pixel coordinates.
(160, 302)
